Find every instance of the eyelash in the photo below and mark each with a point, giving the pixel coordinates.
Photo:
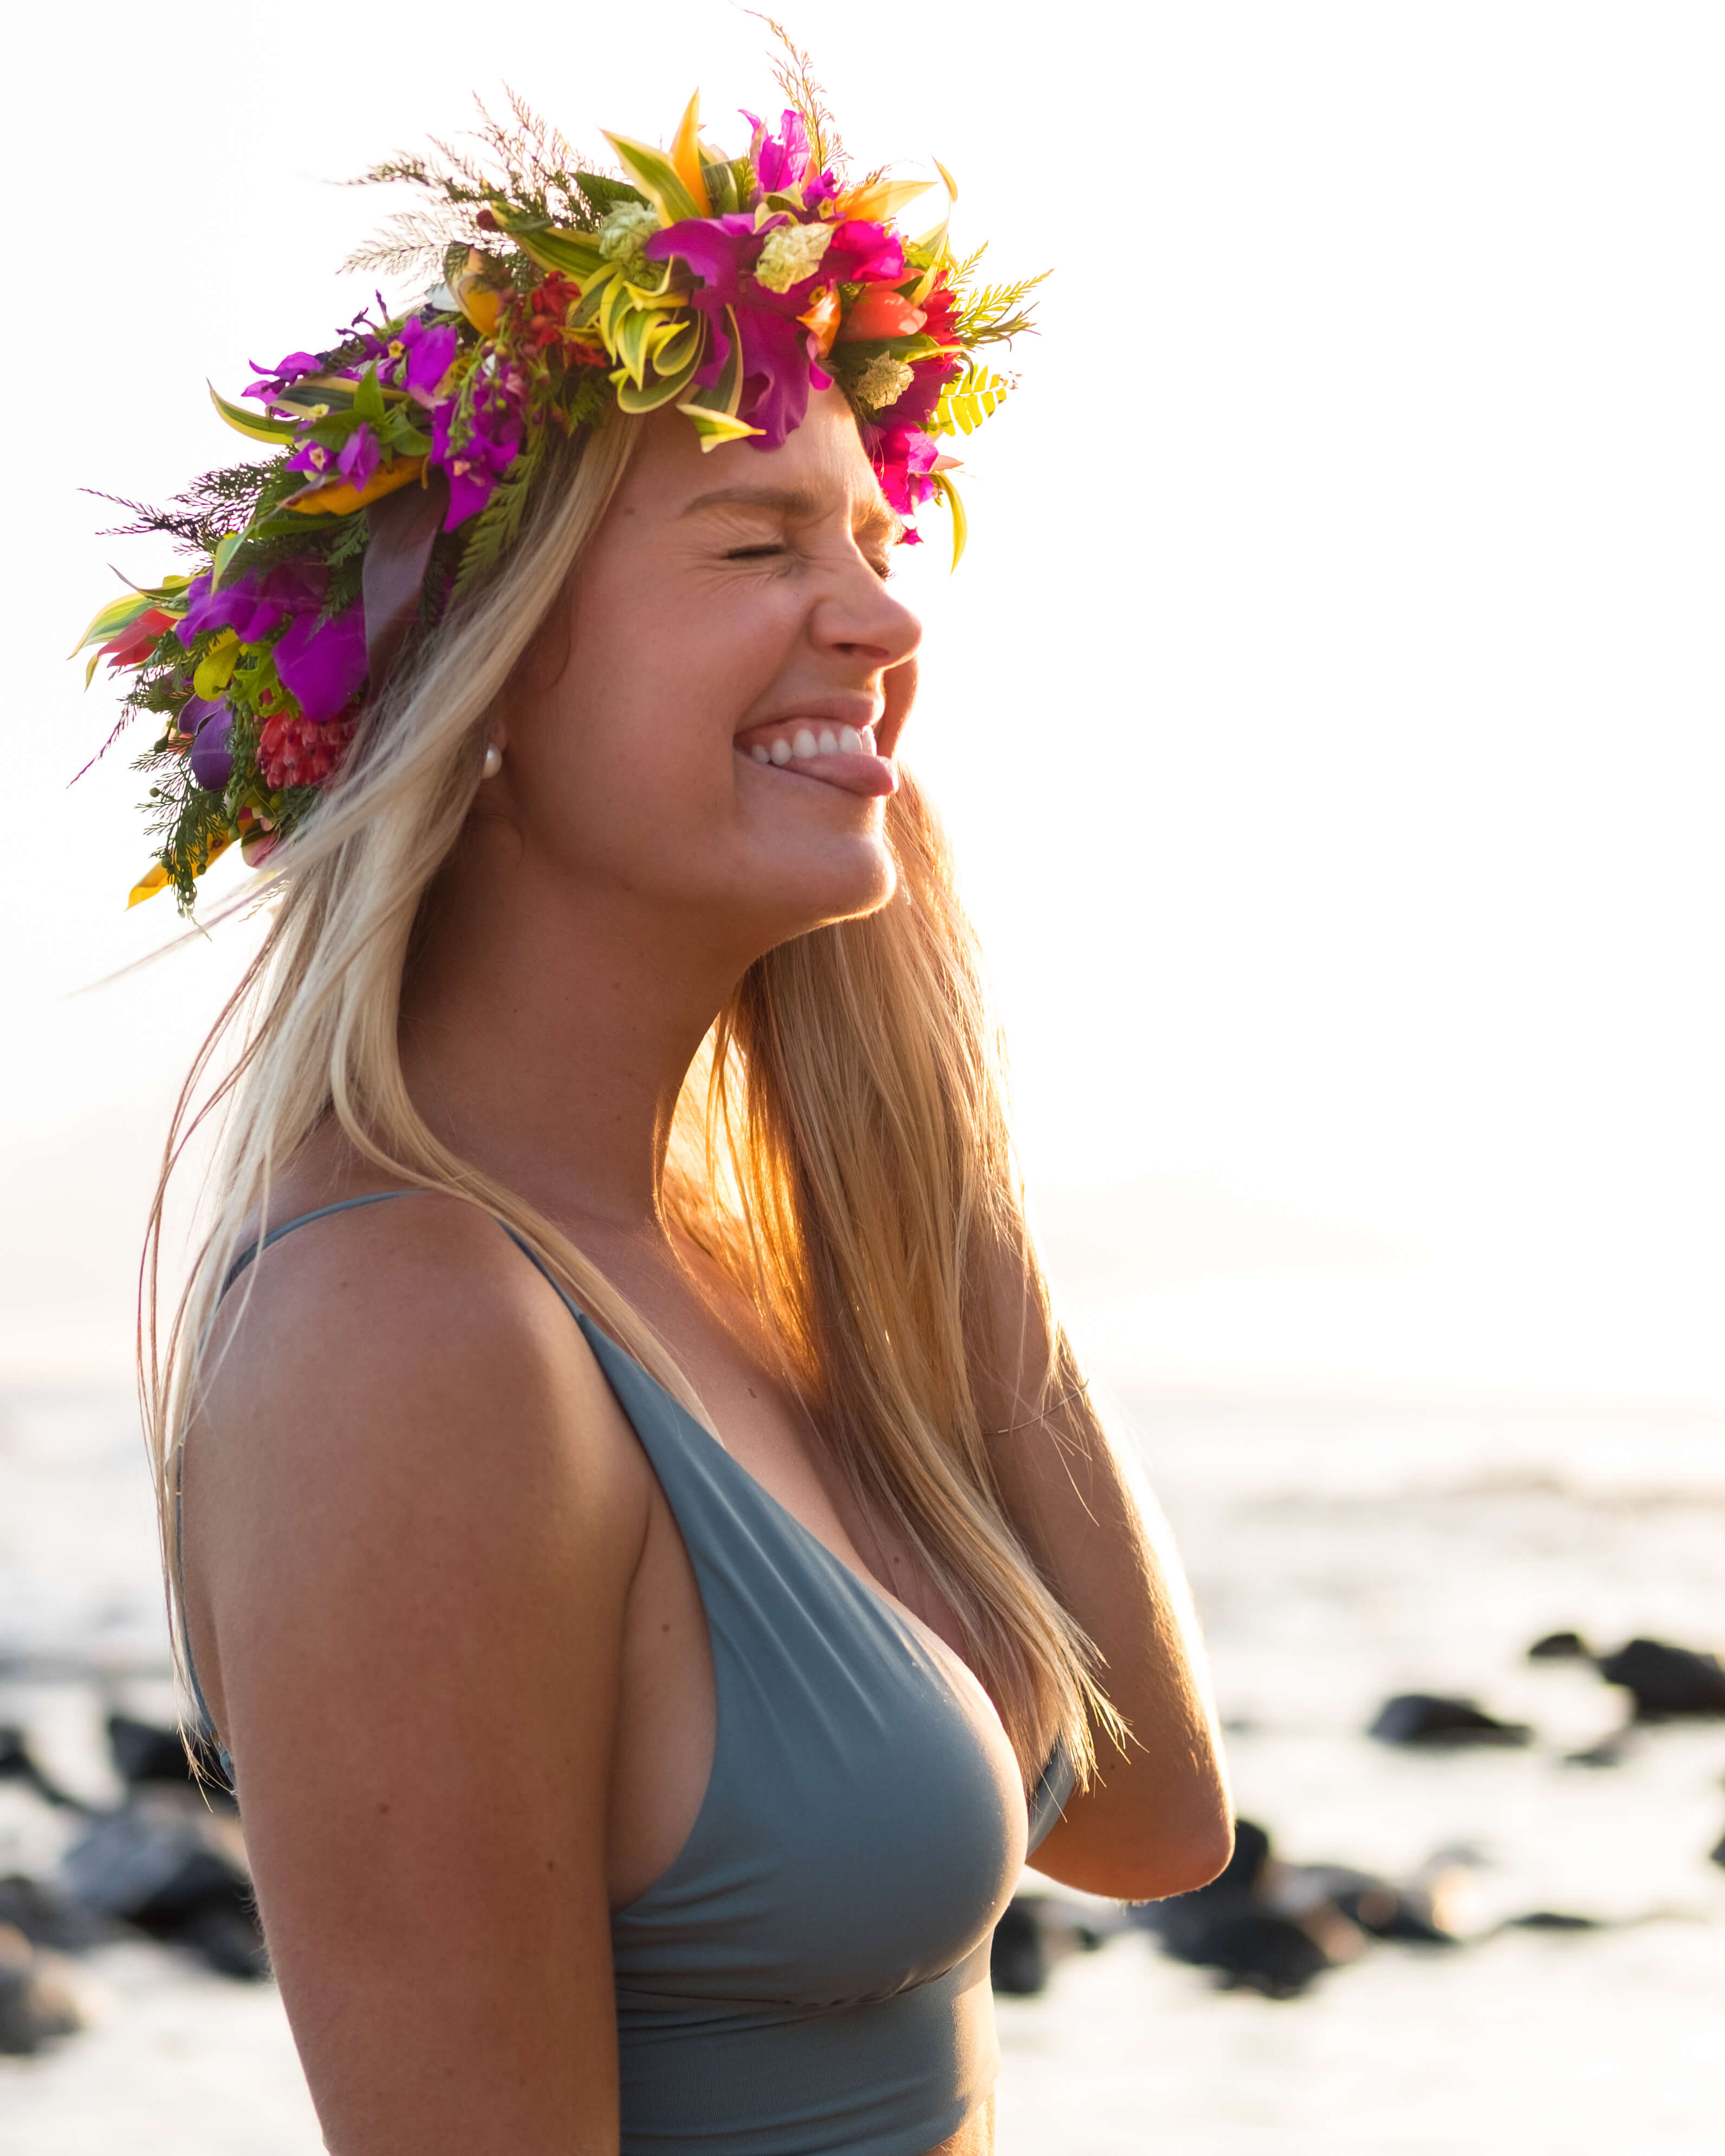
(768, 551)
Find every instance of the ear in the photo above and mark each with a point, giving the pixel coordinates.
(899, 688)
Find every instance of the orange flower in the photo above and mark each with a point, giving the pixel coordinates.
(880, 312)
(822, 318)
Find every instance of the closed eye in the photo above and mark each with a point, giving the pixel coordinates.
(759, 552)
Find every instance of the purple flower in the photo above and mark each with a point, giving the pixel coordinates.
(323, 664)
(272, 381)
(208, 724)
(417, 357)
(476, 444)
(782, 163)
(360, 456)
(312, 457)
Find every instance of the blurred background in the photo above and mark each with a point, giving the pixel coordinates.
(1327, 716)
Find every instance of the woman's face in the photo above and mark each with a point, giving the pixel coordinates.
(718, 743)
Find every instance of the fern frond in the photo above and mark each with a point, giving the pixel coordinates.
(996, 313)
(975, 396)
(794, 73)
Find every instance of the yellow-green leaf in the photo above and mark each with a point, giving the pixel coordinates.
(717, 427)
(948, 494)
(656, 177)
(253, 424)
(574, 253)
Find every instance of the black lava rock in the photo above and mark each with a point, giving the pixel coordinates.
(47, 1918)
(1666, 1682)
(1560, 1647)
(162, 1862)
(145, 1755)
(1226, 1926)
(1425, 1719)
(15, 1765)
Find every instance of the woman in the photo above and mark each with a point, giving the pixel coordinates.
(646, 1549)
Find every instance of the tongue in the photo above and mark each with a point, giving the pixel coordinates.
(865, 773)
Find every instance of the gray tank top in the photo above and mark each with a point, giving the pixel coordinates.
(810, 1976)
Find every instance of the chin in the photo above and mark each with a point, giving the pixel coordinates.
(839, 880)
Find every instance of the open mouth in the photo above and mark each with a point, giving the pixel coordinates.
(842, 755)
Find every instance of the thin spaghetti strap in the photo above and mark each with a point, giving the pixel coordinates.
(342, 1206)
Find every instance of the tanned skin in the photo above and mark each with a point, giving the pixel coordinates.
(440, 1606)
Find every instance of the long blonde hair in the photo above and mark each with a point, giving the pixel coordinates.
(840, 1147)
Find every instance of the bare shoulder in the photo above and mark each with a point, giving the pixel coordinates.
(397, 1407)
(413, 1515)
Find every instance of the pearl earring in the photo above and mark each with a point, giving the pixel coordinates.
(494, 760)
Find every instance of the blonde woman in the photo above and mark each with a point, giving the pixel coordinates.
(645, 1547)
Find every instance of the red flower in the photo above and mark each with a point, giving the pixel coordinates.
(137, 639)
(292, 751)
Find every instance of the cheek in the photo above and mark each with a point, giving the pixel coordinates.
(630, 754)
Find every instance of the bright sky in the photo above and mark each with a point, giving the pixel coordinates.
(1328, 711)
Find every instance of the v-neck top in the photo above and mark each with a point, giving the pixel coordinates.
(809, 1976)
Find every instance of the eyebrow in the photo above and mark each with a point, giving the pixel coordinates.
(876, 521)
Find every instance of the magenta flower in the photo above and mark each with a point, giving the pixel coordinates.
(781, 162)
(475, 445)
(323, 664)
(776, 351)
(360, 456)
(285, 371)
(862, 253)
(903, 457)
(417, 357)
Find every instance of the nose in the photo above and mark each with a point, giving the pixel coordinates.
(859, 617)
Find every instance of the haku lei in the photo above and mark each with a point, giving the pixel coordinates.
(404, 457)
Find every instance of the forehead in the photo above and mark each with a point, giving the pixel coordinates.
(821, 470)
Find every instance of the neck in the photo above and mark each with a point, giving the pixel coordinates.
(546, 1034)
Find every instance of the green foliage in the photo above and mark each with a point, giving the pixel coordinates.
(498, 524)
(522, 160)
(996, 314)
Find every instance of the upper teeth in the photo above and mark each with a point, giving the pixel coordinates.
(804, 741)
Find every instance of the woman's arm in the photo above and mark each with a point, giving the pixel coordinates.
(1157, 1820)
(410, 1540)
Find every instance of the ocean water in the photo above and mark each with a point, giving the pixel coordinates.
(1339, 1550)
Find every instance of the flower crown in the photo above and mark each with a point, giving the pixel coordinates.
(404, 457)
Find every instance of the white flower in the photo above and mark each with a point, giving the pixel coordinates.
(624, 234)
(882, 381)
(792, 252)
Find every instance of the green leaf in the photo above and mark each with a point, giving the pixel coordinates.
(652, 172)
(253, 424)
(316, 394)
(368, 396)
(604, 193)
(226, 549)
(715, 427)
(572, 254)
(725, 394)
(665, 390)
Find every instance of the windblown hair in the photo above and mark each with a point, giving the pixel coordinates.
(840, 1147)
